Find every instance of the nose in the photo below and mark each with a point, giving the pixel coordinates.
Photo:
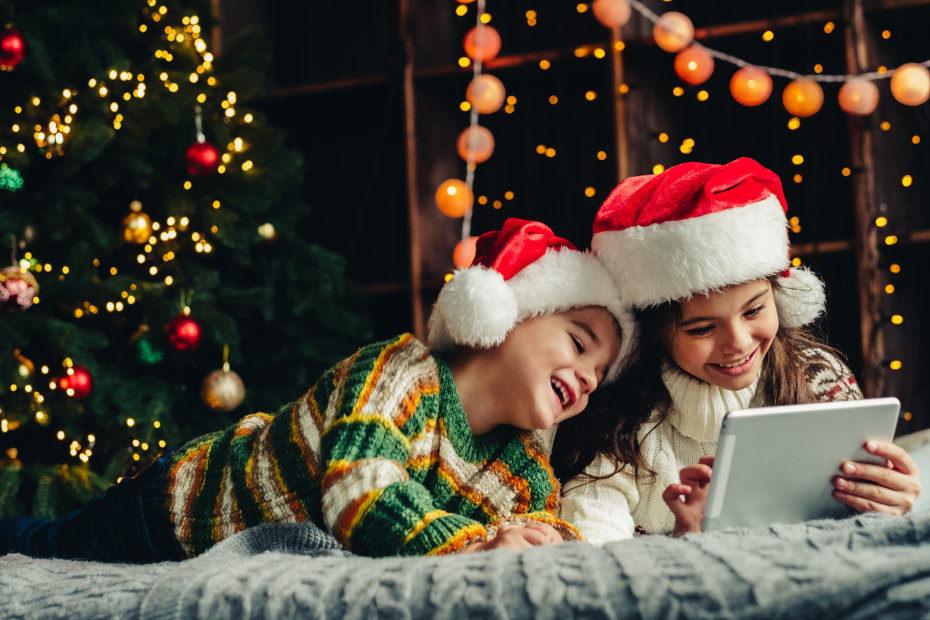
(587, 378)
(738, 339)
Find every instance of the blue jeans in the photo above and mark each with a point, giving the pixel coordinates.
(129, 523)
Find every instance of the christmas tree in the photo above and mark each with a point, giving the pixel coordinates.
(158, 285)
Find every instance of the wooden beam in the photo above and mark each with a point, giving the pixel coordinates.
(413, 203)
(866, 249)
(616, 65)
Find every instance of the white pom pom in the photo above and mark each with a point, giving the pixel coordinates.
(475, 308)
(800, 298)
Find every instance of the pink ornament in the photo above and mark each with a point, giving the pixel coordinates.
(18, 288)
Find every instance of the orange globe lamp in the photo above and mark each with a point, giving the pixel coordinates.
(694, 64)
(464, 252)
(486, 93)
(802, 97)
(612, 13)
(673, 31)
(910, 84)
(482, 43)
(858, 96)
(454, 198)
(475, 144)
(751, 86)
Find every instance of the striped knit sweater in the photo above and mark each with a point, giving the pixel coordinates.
(378, 452)
(615, 507)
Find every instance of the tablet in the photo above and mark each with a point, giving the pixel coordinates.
(777, 464)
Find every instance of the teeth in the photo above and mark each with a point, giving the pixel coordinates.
(738, 363)
(561, 390)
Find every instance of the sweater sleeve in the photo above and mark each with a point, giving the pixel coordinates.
(370, 504)
(829, 378)
(601, 508)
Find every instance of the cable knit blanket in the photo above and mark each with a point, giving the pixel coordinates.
(861, 567)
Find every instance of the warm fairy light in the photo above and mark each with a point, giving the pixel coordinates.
(889, 288)
(891, 240)
(828, 27)
(885, 126)
(658, 169)
(895, 365)
(797, 178)
(553, 99)
(897, 319)
(678, 91)
(907, 180)
(894, 268)
(601, 155)
(915, 139)
(544, 64)
(881, 221)
(797, 160)
(818, 68)
(590, 95)
(663, 137)
(589, 191)
(550, 152)
(768, 36)
(846, 171)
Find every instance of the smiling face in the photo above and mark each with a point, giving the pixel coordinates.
(547, 367)
(723, 337)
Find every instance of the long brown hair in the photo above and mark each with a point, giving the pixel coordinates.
(618, 412)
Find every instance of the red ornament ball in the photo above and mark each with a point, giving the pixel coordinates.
(12, 48)
(202, 159)
(79, 381)
(183, 332)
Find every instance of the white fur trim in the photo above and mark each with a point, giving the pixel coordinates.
(475, 308)
(478, 308)
(676, 259)
(801, 299)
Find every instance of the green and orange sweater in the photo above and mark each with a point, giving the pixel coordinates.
(378, 452)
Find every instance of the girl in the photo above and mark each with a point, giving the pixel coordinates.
(701, 252)
(401, 449)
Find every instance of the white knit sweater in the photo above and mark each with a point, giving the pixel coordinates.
(612, 508)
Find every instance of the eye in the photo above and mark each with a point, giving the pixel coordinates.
(579, 345)
(754, 311)
(703, 330)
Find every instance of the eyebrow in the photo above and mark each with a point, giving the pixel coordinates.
(698, 319)
(587, 329)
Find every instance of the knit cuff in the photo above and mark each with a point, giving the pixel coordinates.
(566, 530)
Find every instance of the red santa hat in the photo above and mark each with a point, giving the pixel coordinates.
(697, 228)
(519, 272)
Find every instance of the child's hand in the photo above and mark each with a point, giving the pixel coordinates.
(892, 488)
(688, 499)
(517, 538)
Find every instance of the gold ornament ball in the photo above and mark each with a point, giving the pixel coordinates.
(910, 84)
(858, 96)
(137, 226)
(222, 390)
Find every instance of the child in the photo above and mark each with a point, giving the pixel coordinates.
(701, 252)
(398, 449)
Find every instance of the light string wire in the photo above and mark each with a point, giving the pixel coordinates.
(473, 119)
(793, 75)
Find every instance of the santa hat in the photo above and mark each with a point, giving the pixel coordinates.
(519, 272)
(697, 228)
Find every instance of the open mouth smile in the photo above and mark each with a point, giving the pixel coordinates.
(736, 367)
(563, 393)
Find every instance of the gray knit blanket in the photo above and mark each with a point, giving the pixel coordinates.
(860, 567)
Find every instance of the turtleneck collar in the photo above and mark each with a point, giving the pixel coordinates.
(698, 407)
